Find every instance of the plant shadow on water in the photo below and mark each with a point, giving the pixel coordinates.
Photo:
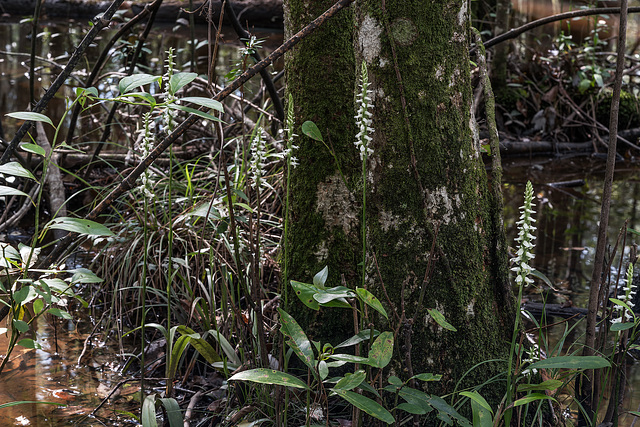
(568, 195)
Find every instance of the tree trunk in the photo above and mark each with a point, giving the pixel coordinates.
(428, 200)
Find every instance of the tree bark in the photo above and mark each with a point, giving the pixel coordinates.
(425, 182)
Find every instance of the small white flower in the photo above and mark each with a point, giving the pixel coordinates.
(525, 238)
(363, 121)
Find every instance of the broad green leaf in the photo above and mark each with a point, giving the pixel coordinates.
(298, 339)
(30, 116)
(177, 350)
(305, 292)
(350, 358)
(475, 396)
(482, 417)
(10, 191)
(196, 112)
(226, 347)
(204, 102)
(149, 412)
(365, 404)
(173, 411)
(16, 169)
(80, 226)
(351, 381)
(371, 301)
(622, 326)
(58, 285)
(621, 303)
(444, 408)
(21, 295)
(381, 350)
(326, 296)
(180, 80)
(321, 277)
(395, 381)
(60, 313)
(29, 343)
(21, 325)
(532, 398)
(38, 305)
(147, 97)
(571, 362)
(546, 385)
(311, 130)
(323, 370)
(84, 275)
(428, 377)
(33, 148)
(129, 83)
(269, 376)
(363, 335)
(201, 345)
(440, 320)
(411, 408)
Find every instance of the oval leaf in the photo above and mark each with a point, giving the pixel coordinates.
(30, 116)
(428, 377)
(321, 277)
(29, 343)
(305, 292)
(80, 226)
(180, 80)
(311, 130)
(298, 339)
(269, 376)
(622, 326)
(351, 381)
(16, 169)
(476, 397)
(130, 83)
(356, 339)
(204, 102)
(33, 148)
(365, 404)
(381, 350)
(10, 191)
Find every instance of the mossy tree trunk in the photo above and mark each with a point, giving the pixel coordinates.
(428, 197)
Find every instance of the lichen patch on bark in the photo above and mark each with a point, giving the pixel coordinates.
(369, 39)
(441, 206)
(336, 204)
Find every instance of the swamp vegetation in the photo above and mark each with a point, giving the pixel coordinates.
(332, 242)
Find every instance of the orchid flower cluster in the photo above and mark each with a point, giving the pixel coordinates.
(145, 143)
(629, 293)
(287, 153)
(258, 156)
(363, 117)
(168, 115)
(525, 239)
(533, 355)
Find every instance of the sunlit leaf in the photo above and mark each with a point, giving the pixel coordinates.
(78, 225)
(334, 295)
(148, 416)
(350, 358)
(365, 404)
(60, 313)
(29, 343)
(16, 169)
(298, 339)
(145, 96)
(33, 148)
(532, 398)
(130, 83)
(440, 320)
(305, 292)
(371, 301)
(10, 191)
(84, 275)
(269, 376)
(351, 381)
(30, 116)
(38, 305)
(428, 377)
(201, 345)
(356, 339)
(321, 277)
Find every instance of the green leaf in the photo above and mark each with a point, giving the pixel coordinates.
(21, 325)
(177, 350)
(29, 343)
(351, 381)
(371, 301)
(444, 408)
(226, 347)
(634, 413)
(411, 408)
(201, 345)
(180, 80)
(147, 97)
(38, 305)
(269, 376)
(149, 412)
(621, 303)
(60, 313)
(174, 413)
(204, 102)
(542, 277)
(337, 294)
(30, 116)
(80, 226)
(622, 326)
(381, 350)
(350, 358)
(130, 83)
(427, 377)
(23, 402)
(321, 277)
(196, 112)
(20, 296)
(533, 397)
(10, 191)
(84, 275)
(298, 339)
(365, 404)
(476, 397)
(311, 130)
(571, 362)
(33, 148)
(481, 416)
(16, 169)
(363, 335)
(546, 385)
(305, 292)
(323, 370)
(440, 320)
(395, 381)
